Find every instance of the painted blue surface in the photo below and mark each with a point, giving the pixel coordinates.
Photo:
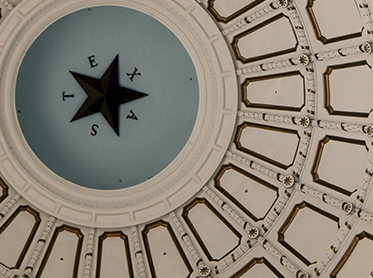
(166, 117)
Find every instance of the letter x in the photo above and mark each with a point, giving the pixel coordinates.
(132, 75)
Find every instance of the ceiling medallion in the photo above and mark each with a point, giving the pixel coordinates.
(284, 3)
(347, 208)
(167, 190)
(303, 275)
(117, 137)
(305, 121)
(368, 129)
(253, 233)
(288, 181)
(204, 271)
(304, 60)
(366, 47)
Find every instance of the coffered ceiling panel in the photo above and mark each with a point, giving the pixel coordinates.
(244, 189)
(209, 233)
(355, 261)
(330, 22)
(342, 84)
(330, 167)
(257, 140)
(114, 257)
(64, 252)
(307, 223)
(264, 41)
(164, 252)
(263, 92)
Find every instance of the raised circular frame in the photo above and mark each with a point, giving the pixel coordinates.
(176, 184)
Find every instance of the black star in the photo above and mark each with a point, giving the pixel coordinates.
(105, 95)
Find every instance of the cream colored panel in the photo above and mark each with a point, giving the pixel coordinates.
(280, 91)
(306, 224)
(271, 38)
(349, 87)
(16, 235)
(332, 19)
(151, 210)
(259, 271)
(114, 258)
(39, 195)
(83, 216)
(341, 164)
(28, 6)
(102, 218)
(15, 176)
(274, 145)
(62, 256)
(253, 195)
(166, 257)
(215, 235)
(359, 262)
(7, 31)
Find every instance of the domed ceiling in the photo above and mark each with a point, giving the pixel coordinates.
(290, 194)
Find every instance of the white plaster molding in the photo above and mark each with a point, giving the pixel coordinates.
(8, 4)
(182, 178)
(138, 253)
(89, 253)
(256, 166)
(203, 269)
(295, 270)
(364, 48)
(7, 273)
(38, 248)
(251, 17)
(9, 205)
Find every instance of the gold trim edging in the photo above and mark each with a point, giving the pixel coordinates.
(220, 18)
(327, 90)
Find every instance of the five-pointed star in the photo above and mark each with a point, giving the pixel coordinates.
(105, 95)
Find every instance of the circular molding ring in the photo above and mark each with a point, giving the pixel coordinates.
(172, 187)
